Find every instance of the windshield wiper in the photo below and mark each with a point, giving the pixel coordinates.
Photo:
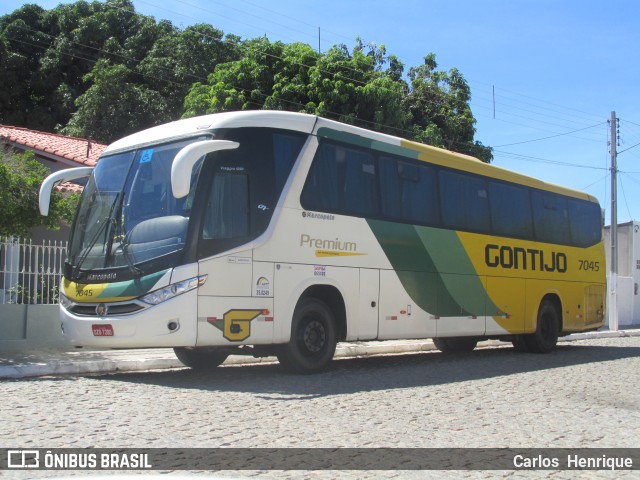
(124, 244)
(127, 256)
(108, 220)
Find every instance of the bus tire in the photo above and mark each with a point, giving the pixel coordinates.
(455, 344)
(313, 338)
(520, 344)
(545, 338)
(201, 359)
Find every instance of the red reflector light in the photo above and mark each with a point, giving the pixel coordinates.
(102, 330)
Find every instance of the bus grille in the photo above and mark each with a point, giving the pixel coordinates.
(89, 310)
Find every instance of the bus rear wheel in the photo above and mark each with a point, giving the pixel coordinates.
(201, 359)
(545, 338)
(455, 344)
(313, 338)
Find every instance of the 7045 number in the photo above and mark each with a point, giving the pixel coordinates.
(589, 265)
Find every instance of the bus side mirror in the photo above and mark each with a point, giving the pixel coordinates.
(60, 176)
(186, 158)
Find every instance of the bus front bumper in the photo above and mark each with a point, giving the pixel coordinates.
(172, 323)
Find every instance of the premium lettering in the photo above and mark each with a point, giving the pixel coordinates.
(518, 258)
(337, 244)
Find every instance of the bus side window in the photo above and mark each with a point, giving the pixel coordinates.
(464, 202)
(342, 180)
(550, 218)
(510, 210)
(227, 212)
(408, 192)
(360, 183)
(321, 188)
(586, 223)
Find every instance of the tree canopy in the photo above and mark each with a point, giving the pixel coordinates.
(20, 178)
(101, 70)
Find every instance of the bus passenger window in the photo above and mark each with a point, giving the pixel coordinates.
(408, 192)
(510, 210)
(342, 180)
(550, 217)
(465, 203)
(227, 212)
(586, 223)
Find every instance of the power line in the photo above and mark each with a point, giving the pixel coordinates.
(512, 155)
(551, 136)
(289, 27)
(625, 198)
(529, 158)
(627, 149)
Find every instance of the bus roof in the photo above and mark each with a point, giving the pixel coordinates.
(199, 125)
(309, 124)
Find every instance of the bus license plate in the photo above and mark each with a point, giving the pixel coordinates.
(102, 330)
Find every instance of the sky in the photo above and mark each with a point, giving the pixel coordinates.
(545, 75)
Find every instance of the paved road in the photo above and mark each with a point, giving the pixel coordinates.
(586, 394)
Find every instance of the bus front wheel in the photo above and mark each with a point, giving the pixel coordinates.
(313, 338)
(205, 358)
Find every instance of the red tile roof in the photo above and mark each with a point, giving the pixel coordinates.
(79, 150)
(69, 187)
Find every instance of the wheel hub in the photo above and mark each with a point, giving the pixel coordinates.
(314, 336)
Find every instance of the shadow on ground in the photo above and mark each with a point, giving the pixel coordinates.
(378, 373)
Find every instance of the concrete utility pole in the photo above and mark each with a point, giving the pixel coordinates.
(613, 276)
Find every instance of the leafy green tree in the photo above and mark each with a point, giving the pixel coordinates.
(114, 105)
(363, 86)
(354, 87)
(20, 178)
(439, 105)
(178, 60)
(20, 38)
(101, 70)
(248, 83)
(52, 59)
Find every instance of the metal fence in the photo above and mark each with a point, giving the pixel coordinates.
(30, 273)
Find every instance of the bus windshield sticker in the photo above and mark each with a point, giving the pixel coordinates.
(146, 155)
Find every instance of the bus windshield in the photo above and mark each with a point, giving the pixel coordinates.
(127, 214)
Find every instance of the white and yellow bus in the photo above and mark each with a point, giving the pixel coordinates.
(277, 233)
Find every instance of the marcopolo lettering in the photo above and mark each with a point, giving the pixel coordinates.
(519, 258)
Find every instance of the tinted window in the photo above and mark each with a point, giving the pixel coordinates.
(550, 218)
(464, 202)
(408, 191)
(285, 151)
(227, 213)
(585, 219)
(241, 187)
(342, 180)
(510, 210)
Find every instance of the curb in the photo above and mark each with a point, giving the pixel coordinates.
(41, 363)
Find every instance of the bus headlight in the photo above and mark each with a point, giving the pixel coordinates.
(64, 301)
(173, 290)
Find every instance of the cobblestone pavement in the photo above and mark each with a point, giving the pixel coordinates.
(585, 394)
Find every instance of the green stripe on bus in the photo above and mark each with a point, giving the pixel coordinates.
(132, 288)
(434, 269)
(368, 143)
